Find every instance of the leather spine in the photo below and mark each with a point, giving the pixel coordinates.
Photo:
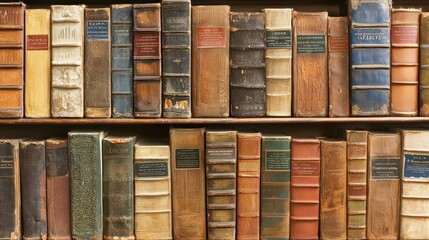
(424, 65)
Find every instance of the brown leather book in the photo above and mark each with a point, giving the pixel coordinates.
(405, 61)
(248, 184)
(210, 61)
(424, 65)
(310, 66)
(384, 151)
(305, 188)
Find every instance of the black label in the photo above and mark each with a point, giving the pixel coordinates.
(6, 166)
(188, 158)
(416, 166)
(151, 169)
(308, 44)
(385, 169)
(278, 39)
(220, 153)
(277, 160)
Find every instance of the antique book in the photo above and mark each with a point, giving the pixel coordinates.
(338, 66)
(248, 184)
(221, 182)
(152, 183)
(33, 189)
(424, 65)
(176, 58)
(210, 61)
(10, 190)
(275, 186)
(310, 66)
(122, 60)
(118, 187)
(187, 169)
(370, 57)
(333, 189)
(85, 157)
(37, 63)
(97, 63)
(247, 64)
(67, 41)
(58, 188)
(147, 60)
(383, 205)
(11, 59)
(305, 188)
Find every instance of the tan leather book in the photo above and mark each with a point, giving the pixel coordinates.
(210, 61)
(310, 66)
(188, 179)
(404, 75)
(38, 63)
(384, 151)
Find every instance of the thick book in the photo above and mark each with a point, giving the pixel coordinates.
(305, 188)
(118, 187)
(85, 157)
(147, 60)
(97, 63)
(11, 59)
(383, 206)
(210, 61)
(33, 189)
(370, 57)
(67, 42)
(221, 182)
(152, 183)
(275, 186)
(310, 66)
(247, 64)
(176, 58)
(424, 65)
(37, 63)
(10, 190)
(187, 169)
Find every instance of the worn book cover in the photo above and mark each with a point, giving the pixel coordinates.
(424, 65)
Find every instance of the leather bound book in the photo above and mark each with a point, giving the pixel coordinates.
(278, 61)
(305, 188)
(176, 58)
(221, 182)
(147, 60)
(370, 57)
(247, 64)
(424, 65)
(338, 66)
(33, 189)
(118, 188)
(275, 186)
(310, 67)
(248, 185)
(37, 63)
(67, 36)
(333, 189)
(11, 59)
(383, 207)
(97, 63)
(210, 61)
(10, 190)
(187, 169)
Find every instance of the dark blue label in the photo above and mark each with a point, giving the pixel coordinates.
(97, 30)
(371, 36)
(416, 166)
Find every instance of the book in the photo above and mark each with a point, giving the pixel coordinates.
(11, 59)
(278, 61)
(147, 60)
(221, 183)
(118, 187)
(424, 65)
(152, 183)
(370, 57)
(67, 46)
(122, 60)
(383, 204)
(310, 66)
(97, 63)
(210, 61)
(37, 63)
(187, 169)
(176, 58)
(247, 64)
(275, 186)
(248, 184)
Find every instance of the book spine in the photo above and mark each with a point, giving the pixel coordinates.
(176, 58)
(424, 65)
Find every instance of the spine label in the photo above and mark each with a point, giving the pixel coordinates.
(310, 44)
(98, 30)
(405, 34)
(416, 166)
(305, 168)
(37, 42)
(211, 37)
(151, 169)
(357, 190)
(278, 39)
(187, 158)
(221, 153)
(6, 166)
(277, 160)
(338, 43)
(385, 169)
(146, 44)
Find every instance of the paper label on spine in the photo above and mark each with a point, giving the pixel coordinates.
(211, 37)
(278, 39)
(310, 44)
(385, 168)
(277, 160)
(38, 42)
(151, 169)
(97, 30)
(416, 166)
(187, 158)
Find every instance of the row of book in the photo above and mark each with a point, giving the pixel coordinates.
(216, 184)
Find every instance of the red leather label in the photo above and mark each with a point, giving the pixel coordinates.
(357, 190)
(211, 37)
(405, 34)
(305, 168)
(338, 43)
(146, 44)
(37, 42)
